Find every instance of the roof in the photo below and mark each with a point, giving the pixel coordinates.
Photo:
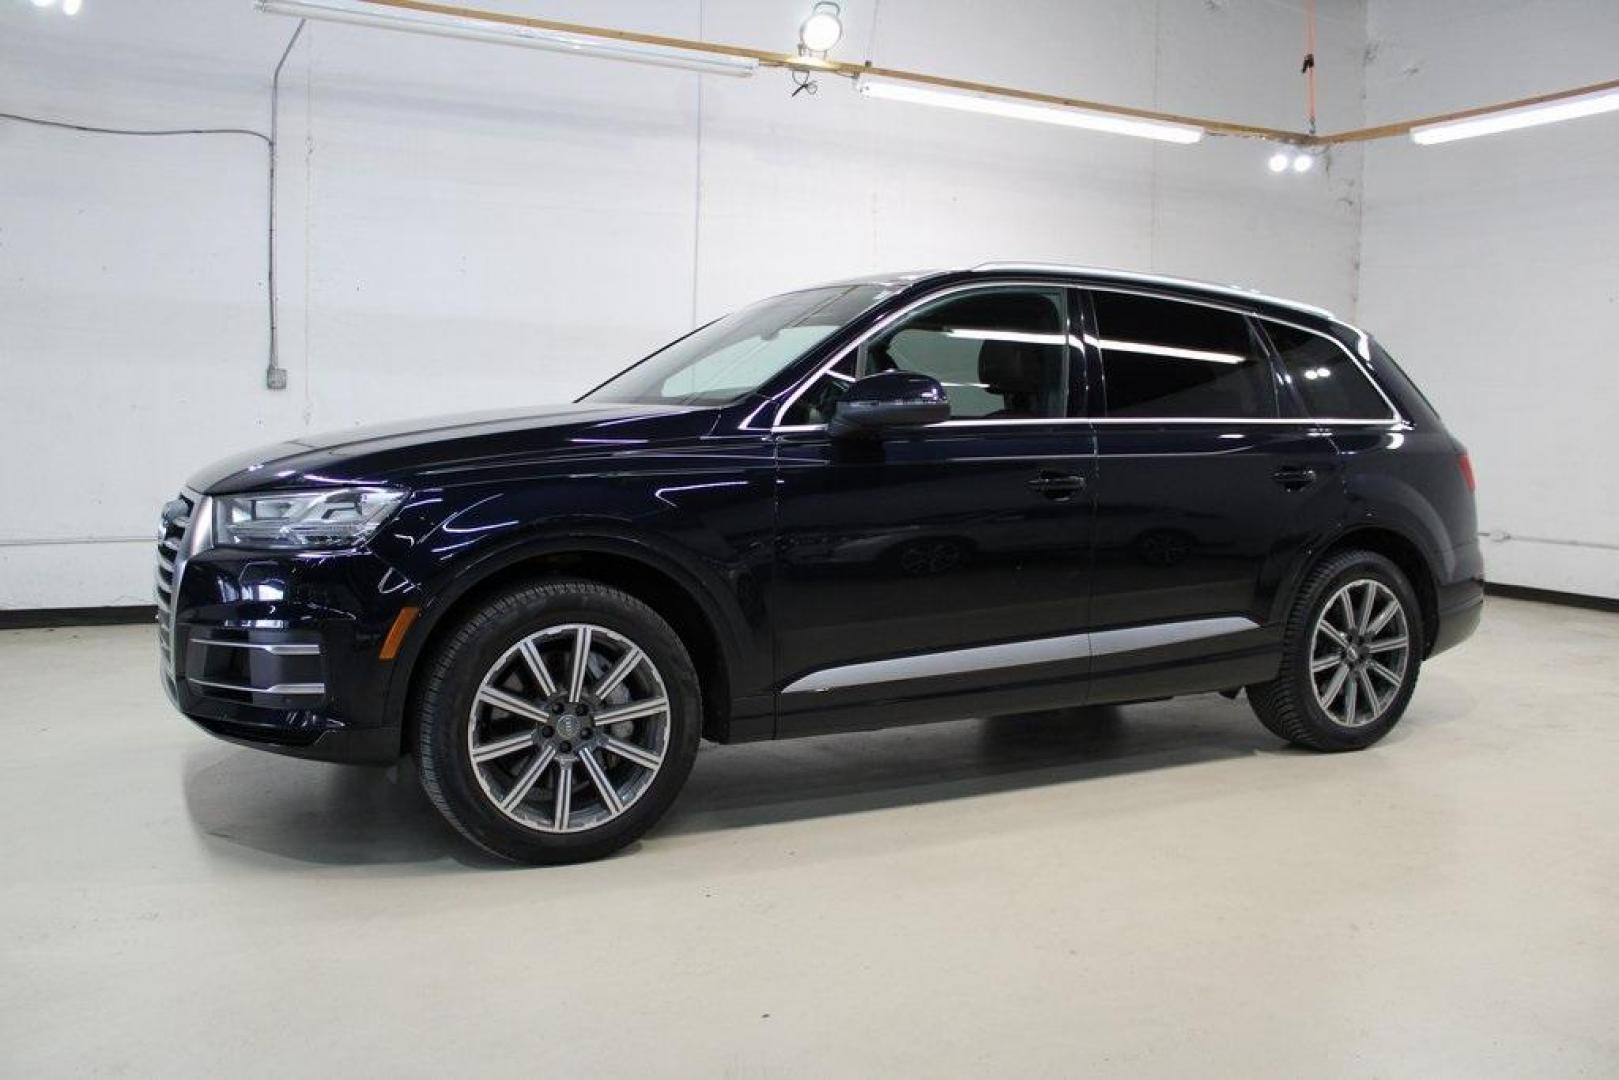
(1100, 273)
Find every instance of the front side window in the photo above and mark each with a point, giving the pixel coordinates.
(1329, 384)
(732, 357)
(1000, 354)
(1173, 360)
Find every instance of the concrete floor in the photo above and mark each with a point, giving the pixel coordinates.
(1158, 890)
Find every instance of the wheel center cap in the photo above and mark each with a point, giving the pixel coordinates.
(568, 725)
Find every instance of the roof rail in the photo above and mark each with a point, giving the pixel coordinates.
(1156, 279)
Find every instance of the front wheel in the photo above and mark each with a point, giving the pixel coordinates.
(557, 722)
(1351, 652)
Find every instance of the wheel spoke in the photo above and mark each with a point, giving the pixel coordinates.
(621, 671)
(536, 667)
(634, 711)
(1368, 600)
(1383, 618)
(525, 783)
(629, 751)
(500, 699)
(1351, 700)
(1335, 684)
(1318, 666)
(1374, 702)
(1347, 607)
(581, 663)
(502, 747)
(564, 798)
(1394, 680)
(598, 776)
(1333, 635)
(1386, 644)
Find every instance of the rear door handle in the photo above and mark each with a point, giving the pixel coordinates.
(1293, 477)
(1057, 485)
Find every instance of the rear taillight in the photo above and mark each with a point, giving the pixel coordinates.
(1465, 464)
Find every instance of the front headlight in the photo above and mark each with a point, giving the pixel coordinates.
(332, 518)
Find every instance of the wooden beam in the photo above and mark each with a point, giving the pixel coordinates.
(767, 58)
(1404, 127)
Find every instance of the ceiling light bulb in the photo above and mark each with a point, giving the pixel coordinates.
(1278, 162)
(1302, 162)
(823, 29)
(44, 3)
(71, 7)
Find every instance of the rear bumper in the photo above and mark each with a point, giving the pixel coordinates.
(281, 653)
(1461, 607)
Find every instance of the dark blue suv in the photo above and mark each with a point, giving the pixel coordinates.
(905, 498)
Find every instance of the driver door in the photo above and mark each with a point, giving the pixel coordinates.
(941, 572)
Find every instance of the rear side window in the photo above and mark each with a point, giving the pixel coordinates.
(1329, 384)
(1167, 359)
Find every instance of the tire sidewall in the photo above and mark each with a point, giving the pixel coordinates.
(1361, 565)
(458, 671)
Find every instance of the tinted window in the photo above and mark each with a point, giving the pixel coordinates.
(1326, 380)
(1163, 358)
(1000, 354)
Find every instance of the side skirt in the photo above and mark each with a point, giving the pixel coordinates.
(1104, 666)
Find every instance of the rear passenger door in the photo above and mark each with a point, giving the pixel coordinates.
(1207, 491)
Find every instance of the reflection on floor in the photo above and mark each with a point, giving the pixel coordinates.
(1155, 889)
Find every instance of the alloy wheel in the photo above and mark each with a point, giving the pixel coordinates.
(568, 728)
(1360, 651)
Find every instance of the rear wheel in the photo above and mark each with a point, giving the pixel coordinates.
(557, 722)
(1351, 652)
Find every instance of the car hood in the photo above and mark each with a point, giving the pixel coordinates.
(389, 452)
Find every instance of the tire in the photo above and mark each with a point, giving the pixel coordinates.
(542, 730)
(1327, 709)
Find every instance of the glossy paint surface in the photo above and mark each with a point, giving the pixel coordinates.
(804, 553)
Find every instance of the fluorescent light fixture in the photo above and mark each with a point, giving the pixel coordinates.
(1000, 105)
(359, 13)
(1512, 119)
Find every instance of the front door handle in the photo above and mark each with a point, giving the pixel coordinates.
(1293, 477)
(1057, 485)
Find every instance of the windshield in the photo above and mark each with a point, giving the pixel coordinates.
(731, 357)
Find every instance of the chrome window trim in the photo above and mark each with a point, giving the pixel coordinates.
(1395, 417)
(1017, 653)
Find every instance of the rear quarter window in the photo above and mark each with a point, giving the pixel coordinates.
(1324, 378)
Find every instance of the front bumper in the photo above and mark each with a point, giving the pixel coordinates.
(279, 651)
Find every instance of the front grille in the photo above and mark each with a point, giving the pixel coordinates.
(172, 533)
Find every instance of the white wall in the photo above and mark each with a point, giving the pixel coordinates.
(1490, 269)
(464, 226)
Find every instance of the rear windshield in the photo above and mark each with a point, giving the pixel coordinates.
(732, 357)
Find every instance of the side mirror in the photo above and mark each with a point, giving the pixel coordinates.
(889, 400)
